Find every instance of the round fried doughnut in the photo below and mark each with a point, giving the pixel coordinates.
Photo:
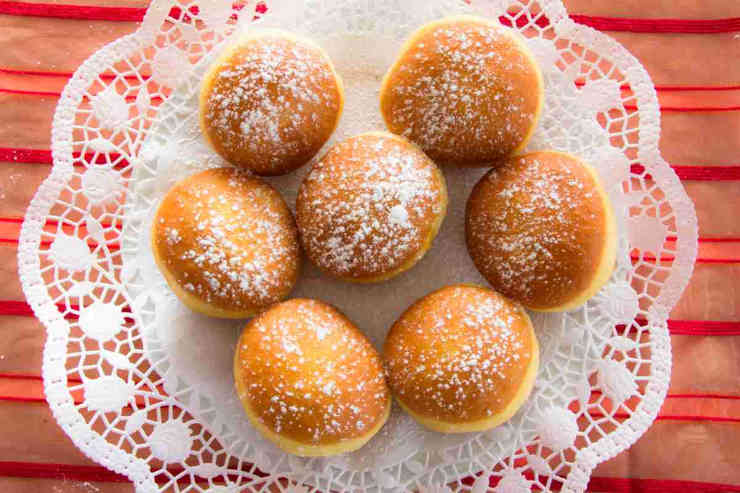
(309, 381)
(462, 359)
(540, 228)
(226, 243)
(270, 101)
(370, 208)
(467, 90)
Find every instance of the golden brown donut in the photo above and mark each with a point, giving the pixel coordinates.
(541, 230)
(370, 208)
(226, 243)
(465, 89)
(309, 380)
(462, 359)
(270, 101)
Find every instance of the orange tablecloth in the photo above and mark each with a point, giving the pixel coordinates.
(694, 445)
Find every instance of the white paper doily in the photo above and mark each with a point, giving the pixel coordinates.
(144, 386)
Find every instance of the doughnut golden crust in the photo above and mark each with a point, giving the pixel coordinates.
(467, 90)
(226, 243)
(309, 380)
(462, 359)
(270, 101)
(370, 208)
(540, 228)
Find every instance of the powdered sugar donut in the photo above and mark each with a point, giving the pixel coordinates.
(462, 359)
(465, 89)
(270, 101)
(540, 228)
(309, 380)
(370, 208)
(226, 243)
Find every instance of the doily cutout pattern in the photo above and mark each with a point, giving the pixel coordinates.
(114, 365)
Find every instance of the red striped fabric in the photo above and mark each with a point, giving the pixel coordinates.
(697, 173)
(637, 485)
(704, 327)
(44, 156)
(676, 327)
(694, 173)
(91, 13)
(613, 485)
(690, 26)
(689, 109)
(134, 14)
(703, 396)
(670, 109)
(67, 75)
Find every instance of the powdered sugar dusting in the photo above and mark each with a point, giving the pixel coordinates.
(272, 104)
(229, 239)
(465, 91)
(320, 389)
(369, 205)
(459, 353)
(535, 228)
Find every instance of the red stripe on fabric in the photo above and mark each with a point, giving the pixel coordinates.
(693, 327)
(665, 417)
(30, 93)
(639, 485)
(707, 173)
(680, 417)
(113, 247)
(43, 156)
(21, 92)
(703, 396)
(14, 241)
(673, 417)
(12, 308)
(700, 260)
(712, 239)
(704, 327)
(95, 12)
(19, 155)
(15, 398)
(60, 471)
(676, 327)
(67, 75)
(697, 26)
(598, 483)
(42, 73)
(689, 109)
(135, 14)
(697, 88)
(699, 173)
(70, 472)
(29, 376)
(56, 222)
(82, 12)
